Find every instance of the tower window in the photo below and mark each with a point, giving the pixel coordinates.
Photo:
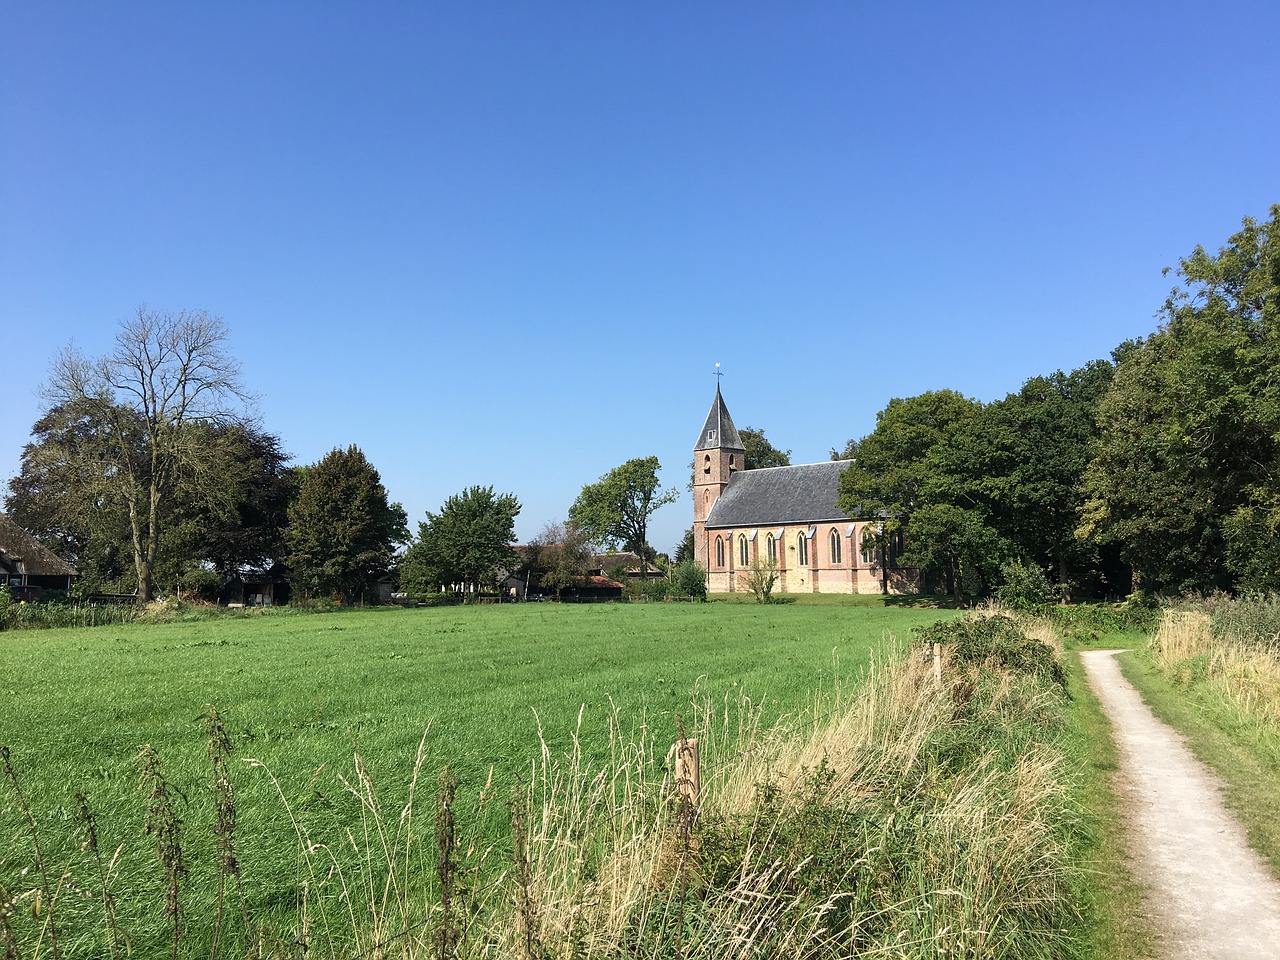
(835, 547)
(743, 557)
(719, 551)
(732, 465)
(706, 467)
(802, 550)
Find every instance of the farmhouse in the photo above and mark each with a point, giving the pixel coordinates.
(25, 561)
(784, 515)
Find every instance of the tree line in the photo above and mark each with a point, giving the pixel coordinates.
(1157, 470)
(150, 473)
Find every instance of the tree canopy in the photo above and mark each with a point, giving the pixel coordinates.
(760, 452)
(467, 542)
(129, 423)
(615, 510)
(558, 558)
(971, 485)
(342, 531)
(1186, 476)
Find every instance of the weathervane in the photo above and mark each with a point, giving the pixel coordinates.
(718, 375)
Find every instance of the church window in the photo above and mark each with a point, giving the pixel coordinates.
(732, 465)
(802, 550)
(719, 551)
(707, 464)
(743, 557)
(835, 546)
(771, 548)
(868, 545)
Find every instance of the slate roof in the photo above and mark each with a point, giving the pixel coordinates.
(719, 431)
(20, 551)
(805, 493)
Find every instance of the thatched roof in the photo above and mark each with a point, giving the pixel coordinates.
(21, 552)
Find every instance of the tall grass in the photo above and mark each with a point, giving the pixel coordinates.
(1232, 652)
(893, 817)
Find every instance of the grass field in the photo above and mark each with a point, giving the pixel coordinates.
(298, 694)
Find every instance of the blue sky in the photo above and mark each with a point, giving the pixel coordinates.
(506, 243)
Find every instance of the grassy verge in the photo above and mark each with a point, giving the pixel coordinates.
(1112, 898)
(1224, 697)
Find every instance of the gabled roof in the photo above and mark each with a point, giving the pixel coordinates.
(719, 431)
(806, 493)
(17, 547)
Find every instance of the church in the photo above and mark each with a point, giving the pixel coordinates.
(784, 515)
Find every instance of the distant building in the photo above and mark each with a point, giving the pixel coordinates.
(785, 514)
(26, 562)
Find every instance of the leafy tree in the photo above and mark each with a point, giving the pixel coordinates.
(616, 509)
(900, 470)
(957, 544)
(1024, 586)
(64, 496)
(850, 451)
(1187, 465)
(342, 530)
(229, 513)
(684, 551)
(897, 467)
(166, 374)
(1020, 463)
(559, 557)
(241, 522)
(762, 578)
(689, 580)
(468, 541)
(760, 452)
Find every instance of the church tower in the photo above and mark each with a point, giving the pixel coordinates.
(717, 455)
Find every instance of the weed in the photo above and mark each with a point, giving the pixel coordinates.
(447, 934)
(49, 901)
(163, 823)
(104, 871)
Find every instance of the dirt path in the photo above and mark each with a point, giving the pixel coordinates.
(1212, 896)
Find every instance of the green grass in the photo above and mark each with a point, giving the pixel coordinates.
(1243, 752)
(302, 694)
(1117, 927)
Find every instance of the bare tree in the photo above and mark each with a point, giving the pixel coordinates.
(166, 373)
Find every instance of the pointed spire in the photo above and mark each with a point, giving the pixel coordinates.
(719, 432)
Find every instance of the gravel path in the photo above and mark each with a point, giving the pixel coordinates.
(1211, 895)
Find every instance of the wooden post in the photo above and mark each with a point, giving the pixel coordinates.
(937, 664)
(689, 770)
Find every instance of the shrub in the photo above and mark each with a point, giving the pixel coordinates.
(762, 579)
(1025, 587)
(995, 640)
(1253, 619)
(689, 580)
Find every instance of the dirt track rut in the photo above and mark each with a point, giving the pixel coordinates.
(1211, 895)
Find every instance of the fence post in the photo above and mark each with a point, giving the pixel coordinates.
(937, 664)
(689, 770)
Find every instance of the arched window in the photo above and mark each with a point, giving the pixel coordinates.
(868, 546)
(771, 548)
(835, 547)
(732, 465)
(719, 551)
(707, 464)
(802, 550)
(744, 557)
